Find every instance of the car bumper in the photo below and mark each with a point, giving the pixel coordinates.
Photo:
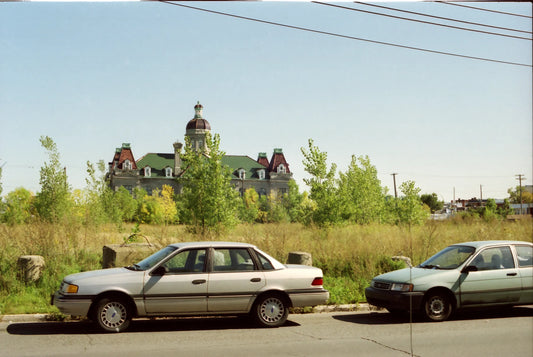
(71, 305)
(301, 298)
(394, 299)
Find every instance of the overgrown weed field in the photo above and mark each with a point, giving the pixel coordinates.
(349, 255)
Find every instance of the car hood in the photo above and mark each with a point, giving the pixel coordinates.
(418, 275)
(98, 274)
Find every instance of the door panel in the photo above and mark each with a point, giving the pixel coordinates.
(233, 281)
(182, 288)
(496, 281)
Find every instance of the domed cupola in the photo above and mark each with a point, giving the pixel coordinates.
(198, 122)
(197, 129)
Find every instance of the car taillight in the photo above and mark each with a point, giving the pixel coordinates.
(317, 281)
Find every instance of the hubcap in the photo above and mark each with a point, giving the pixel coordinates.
(436, 306)
(272, 310)
(113, 314)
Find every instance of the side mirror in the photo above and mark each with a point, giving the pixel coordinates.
(469, 268)
(160, 271)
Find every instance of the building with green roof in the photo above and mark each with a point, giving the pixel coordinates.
(153, 170)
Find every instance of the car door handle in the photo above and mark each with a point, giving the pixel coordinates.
(511, 274)
(199, 281)
(255, 280)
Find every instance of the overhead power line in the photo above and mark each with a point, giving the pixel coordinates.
(442, 18)
(481, 9)
(348, 37)
(420, 21)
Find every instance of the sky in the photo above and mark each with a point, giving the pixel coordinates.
(95, 75)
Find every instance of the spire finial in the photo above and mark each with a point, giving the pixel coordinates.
(198, 110)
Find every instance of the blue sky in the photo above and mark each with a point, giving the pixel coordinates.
(94, 75)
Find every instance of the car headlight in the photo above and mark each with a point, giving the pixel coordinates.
(401, 287)
(69, 288)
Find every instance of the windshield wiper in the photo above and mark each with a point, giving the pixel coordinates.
(430, 266)
(135, 267)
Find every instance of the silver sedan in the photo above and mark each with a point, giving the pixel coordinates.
(189, 279)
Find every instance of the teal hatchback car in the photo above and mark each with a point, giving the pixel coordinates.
(473, 274)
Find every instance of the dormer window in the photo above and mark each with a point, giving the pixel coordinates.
(147, 171)
(168, 172)
(282, 169)
(127, 164)
(242, 174)
(261, 174)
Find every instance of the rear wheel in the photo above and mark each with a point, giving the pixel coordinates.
(112, 315)
(437, 306)
(270, 311)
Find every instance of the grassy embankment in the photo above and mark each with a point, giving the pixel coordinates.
(349, 256)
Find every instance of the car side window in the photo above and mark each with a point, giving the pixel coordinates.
(494, 258)
(524, 254)
(265, 263)
(232, 259)
(188, 261)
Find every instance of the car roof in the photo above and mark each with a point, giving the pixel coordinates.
(486, 243)
(212, 244)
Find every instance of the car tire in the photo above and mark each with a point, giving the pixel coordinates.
(270, 310)
(437, 307)
(112, 315)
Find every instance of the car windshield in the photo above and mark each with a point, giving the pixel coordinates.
(153, 259)
(448, 258)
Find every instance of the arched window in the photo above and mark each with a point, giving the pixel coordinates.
(127, 164)
(281, 169)
(147, 171)
(168, 172)
(242, 174)
(261, 174)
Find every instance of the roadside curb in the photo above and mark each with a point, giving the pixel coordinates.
(316, 309)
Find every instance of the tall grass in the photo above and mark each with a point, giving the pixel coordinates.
(348, 255)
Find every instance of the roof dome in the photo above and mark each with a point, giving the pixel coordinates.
(198, 122)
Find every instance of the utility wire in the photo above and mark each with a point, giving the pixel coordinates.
(421, 21)
(442, 18)
(346, 36)
(481, 9)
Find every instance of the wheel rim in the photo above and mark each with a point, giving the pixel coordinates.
(436, 306)
(272, 310)
(113, 314)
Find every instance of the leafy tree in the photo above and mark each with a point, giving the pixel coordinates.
(124, 204)
(18, 206)
(322, 184)
(167, 204)
(505, 209)
(293, 203)
(249, 209)
(363, 198)
(432, 201)
(410, 207)
(514, 195)
(53, 202)
(209, 200)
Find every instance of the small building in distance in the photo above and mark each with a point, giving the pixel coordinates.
(153, 170)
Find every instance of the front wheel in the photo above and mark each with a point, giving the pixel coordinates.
(437, 307)
(270, 311)
(112, 315)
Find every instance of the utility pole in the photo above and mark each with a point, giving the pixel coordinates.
(481, 195)
(520, 177)
(394, 180)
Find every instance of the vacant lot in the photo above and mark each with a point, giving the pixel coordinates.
(349, 255)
